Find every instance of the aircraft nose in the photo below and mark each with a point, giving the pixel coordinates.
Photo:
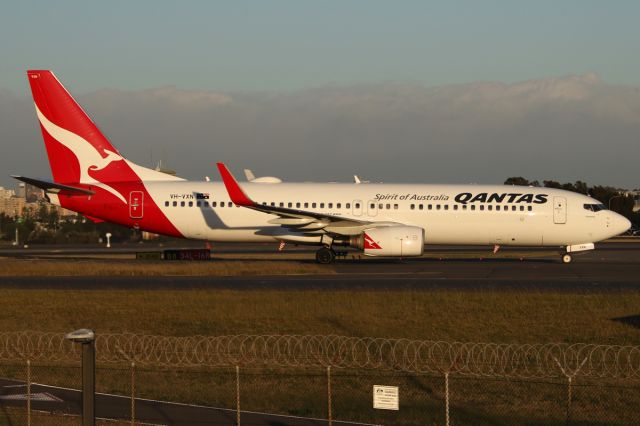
(620, 224)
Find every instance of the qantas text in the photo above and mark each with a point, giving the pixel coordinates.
(512, 197)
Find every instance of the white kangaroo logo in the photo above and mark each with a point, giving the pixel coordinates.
(88, 156)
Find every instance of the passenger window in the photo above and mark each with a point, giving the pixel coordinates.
(513, 208)
(290, 205)
(190, 203)
(166, 204)
(464, 207)
(413, 207)
(306, 205)
(521, 208)
(489, 207)
(214, 204)
(473, 207)
(455, 207)
(175, 203)
(182, 203)
(348, 205)
(313, 205)
(330, 205)
(322, 205)
(281, 204)
(498, 208)
(395, 207)
(430, 207)
(297, 205)
(357, 205)
(273, 204)
(529, 208)
(446, 206)
(482, 207)
(420, 206)
(338, 205)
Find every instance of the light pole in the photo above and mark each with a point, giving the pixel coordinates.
(86, 338)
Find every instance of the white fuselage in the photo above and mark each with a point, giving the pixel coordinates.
(514, 216)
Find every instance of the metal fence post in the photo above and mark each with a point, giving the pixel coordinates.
(237, 395)
(569, 375)
(446, 398)
(133, 393)
(86, 338)
(28, 392)
(568, 412)
(329, 414)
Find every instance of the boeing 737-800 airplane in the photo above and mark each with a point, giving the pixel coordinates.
(91, 177)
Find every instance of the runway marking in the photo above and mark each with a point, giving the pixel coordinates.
(38, 396)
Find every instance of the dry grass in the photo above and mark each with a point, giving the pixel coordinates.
(438, 315)
(441, 315)
(120, 267)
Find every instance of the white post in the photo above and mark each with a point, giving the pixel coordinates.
(108, 235)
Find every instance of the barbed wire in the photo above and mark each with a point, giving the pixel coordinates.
(404, 355)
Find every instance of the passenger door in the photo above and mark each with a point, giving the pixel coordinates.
(559, 210)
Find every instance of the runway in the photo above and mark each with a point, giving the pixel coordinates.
(611, 267)
(51, 399)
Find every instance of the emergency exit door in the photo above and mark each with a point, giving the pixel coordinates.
(136, 201)
(559, 210)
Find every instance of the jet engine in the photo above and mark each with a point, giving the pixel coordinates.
(398, 241)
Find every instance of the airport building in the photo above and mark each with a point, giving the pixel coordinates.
(14, 205)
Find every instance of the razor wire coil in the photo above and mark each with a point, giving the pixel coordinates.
(341, 352)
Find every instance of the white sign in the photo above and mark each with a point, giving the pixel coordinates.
(386, 397)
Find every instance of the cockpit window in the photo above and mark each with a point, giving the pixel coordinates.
(594, 207)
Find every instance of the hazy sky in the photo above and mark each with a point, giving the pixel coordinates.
(471, 91)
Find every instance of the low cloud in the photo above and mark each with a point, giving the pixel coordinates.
(569, 128)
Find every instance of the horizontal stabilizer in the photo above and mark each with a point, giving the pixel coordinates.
(54, 188)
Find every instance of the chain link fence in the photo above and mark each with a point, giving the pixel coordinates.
(326, 378)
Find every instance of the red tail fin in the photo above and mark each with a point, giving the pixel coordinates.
(75, 145)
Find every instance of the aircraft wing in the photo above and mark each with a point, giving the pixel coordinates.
(294, 219)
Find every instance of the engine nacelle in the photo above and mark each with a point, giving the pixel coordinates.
(398, 241)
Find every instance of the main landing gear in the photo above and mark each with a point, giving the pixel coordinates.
(325, 256)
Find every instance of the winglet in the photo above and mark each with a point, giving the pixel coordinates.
(236, 193)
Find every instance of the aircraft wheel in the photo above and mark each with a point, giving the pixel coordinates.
(566, 258)
(325, 256)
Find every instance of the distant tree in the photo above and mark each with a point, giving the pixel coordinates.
(581, 187)
(42, 215)
(519, 180)
(551, 184)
